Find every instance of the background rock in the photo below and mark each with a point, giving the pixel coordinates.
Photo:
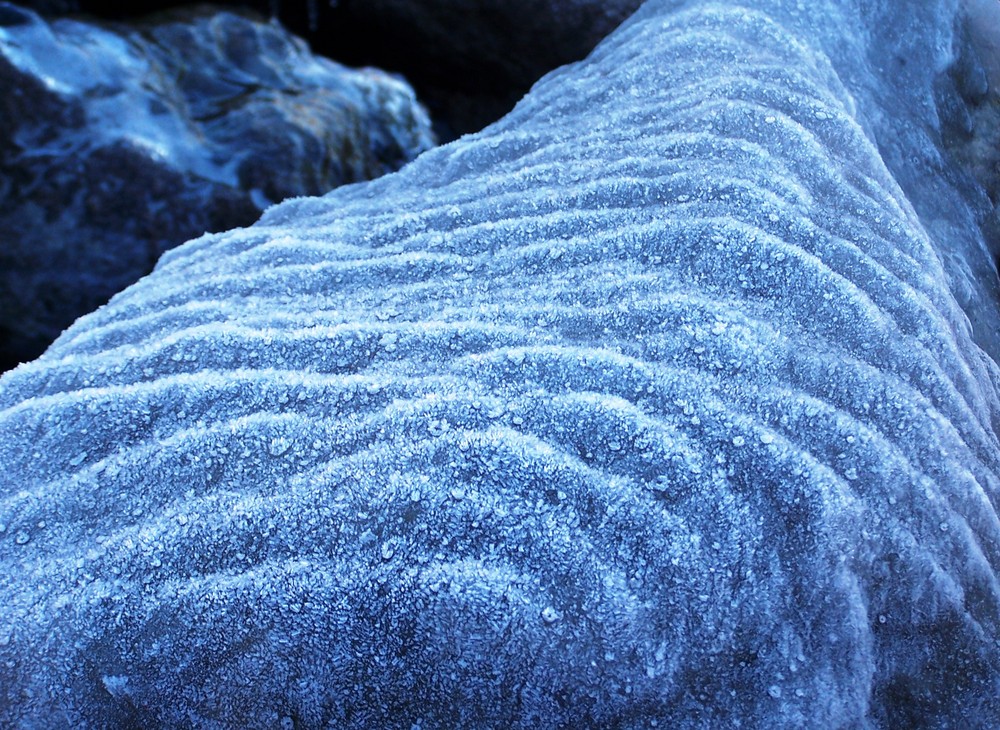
(971, 122)
(470, 61)
(118, 142)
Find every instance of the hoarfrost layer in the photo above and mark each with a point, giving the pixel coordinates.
(652, 403)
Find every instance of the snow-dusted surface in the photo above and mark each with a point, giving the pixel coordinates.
(652, 404)
(118, 142)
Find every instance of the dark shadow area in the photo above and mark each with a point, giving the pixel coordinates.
(468, 62)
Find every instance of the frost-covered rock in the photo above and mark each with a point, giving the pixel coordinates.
(470, 60)
(971, 122)
(653, 404)
(119, 142)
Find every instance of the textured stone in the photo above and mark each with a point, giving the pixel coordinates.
(471, 61)
(655, 402)
(118, 142)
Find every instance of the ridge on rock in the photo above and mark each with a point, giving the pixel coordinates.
(118, 142)
(653, 404)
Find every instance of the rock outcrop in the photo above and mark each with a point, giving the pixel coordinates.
(669, 400)
(118, 142)
(470, 61)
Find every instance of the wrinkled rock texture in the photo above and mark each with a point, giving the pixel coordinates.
(670, 400)
(119, 142)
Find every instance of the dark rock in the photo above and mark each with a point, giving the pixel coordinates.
(469, 61)
(118, 142)
(970, 109)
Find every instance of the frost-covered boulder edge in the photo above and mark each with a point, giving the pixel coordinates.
(653, 403)
(120, 141)
(469, 61)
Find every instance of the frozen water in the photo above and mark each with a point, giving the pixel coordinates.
(384, 459)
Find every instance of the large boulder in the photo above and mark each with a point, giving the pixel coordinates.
(470, 60)
(118, 142)
(669, 400)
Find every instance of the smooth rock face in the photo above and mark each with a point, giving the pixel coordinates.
(119, 142)
(653, 403)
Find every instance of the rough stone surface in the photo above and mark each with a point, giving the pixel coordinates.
(119, 142)
(470, 61)
(670, 399)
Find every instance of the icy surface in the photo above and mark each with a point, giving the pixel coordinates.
(652, 405)
(118, 142)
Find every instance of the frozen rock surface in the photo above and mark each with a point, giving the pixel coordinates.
(653, 404)
(119, 142)
(470, 60)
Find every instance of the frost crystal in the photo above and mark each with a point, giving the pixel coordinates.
(679, 472)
